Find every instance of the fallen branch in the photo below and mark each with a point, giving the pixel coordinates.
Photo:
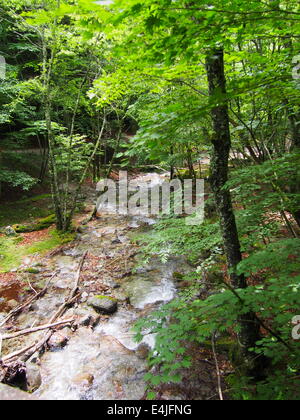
(73, 293)
(36, 329)
(19, 308)
(27, 352)
(10, 357)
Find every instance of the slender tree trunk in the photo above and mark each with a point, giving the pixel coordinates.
(47, 70)
(221, 143)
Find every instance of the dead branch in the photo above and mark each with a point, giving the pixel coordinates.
(19, 308)
(36, 329)
(73, 293)
(30, 350)
(10, 357)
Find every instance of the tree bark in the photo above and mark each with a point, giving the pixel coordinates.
(221, 145)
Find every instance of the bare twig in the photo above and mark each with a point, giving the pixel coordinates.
(29, 302)
(213, 343)
(27, 352)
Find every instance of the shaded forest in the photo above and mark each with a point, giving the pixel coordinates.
(165, 90)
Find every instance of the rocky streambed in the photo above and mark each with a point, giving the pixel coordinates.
(101, 359)
(96, 356)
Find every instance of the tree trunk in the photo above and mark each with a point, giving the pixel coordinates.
(221, 143)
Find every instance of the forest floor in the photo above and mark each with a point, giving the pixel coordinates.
(93, 355)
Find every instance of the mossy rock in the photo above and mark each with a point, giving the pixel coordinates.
(22, 228)
(103, 304)
(39, 225)
(46, 222)
(106, 297)
(32, 270)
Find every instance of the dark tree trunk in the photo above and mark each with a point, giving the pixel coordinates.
(221, 143)
(295, 132)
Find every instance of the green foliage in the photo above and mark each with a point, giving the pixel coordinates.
(74, 65)
(175, 237)
(26, 211)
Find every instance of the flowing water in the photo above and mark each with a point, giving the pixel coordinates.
(106, 362)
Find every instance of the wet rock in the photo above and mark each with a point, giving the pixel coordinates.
(8, 393)
(9, 231)
(58, 341)
(143, 351)
(116, 241)
(12, 304)
(33, 307)
(85, 321)
(84, 297)
(109, 282)
(33, 375)
(83, 379)
(107, 231)
(87, 317)
(103, 304)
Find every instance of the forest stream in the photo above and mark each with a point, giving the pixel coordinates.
(99, 359)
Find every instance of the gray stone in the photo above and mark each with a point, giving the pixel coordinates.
(9, 231)
(143, 351)
(87, 317)
(12, 304)
(85, 321)
(33, 375)
(58, 341)
(103, 304)
(84, 297)
(84, 380)
(8, 393)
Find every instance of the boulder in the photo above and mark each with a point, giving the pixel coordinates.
(9, 231)
(83, 379)
(103, 304)
(33, 375)
(58, 341)
(143, 351)
(87, 317)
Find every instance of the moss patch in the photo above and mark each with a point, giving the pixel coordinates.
(23, 211)
(106, 297)
(12, 252)
(38, 225)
